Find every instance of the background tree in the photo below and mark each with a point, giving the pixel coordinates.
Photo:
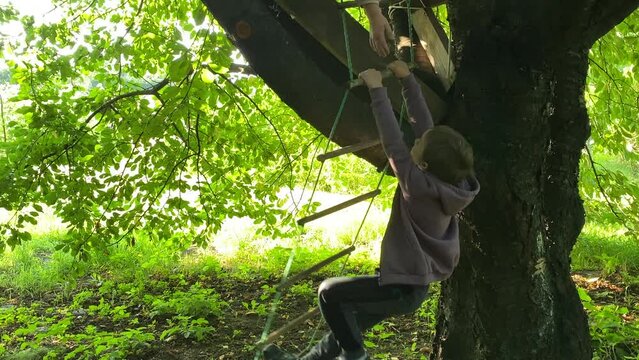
(611, 96)
(130, 118)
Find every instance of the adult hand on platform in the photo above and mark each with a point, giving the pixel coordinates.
(381, 30)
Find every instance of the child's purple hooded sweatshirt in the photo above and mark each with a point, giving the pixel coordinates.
(421, 243)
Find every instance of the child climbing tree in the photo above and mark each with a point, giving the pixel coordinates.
(518, 98)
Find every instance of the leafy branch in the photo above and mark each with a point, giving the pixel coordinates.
(154, 90)
(101, 109)
(257, 107)
(4, 125)
(614, 211)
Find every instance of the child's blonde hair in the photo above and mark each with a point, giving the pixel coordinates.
(448, 154)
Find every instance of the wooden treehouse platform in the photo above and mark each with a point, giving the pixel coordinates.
(298, 48)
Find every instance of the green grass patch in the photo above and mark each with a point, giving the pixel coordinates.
(128, 300)
(35, 268)
(608, 248)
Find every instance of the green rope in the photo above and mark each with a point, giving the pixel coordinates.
(338, 116)
(347, 45)
(330, 138)
(410, 31)
(275, 303)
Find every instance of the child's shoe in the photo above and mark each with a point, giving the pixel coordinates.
(353, 355)
(272, 352)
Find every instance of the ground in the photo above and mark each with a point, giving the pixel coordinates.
(235, 322)
(242, 327)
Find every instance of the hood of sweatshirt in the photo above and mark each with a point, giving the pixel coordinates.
(455, 198)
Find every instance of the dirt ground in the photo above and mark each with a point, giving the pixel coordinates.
(242, 323)
(406, 337)
(241, 328)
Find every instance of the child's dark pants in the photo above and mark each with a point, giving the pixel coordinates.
(351, 305)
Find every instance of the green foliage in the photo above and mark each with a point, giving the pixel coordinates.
(196, 302)
(7, 13)
(187, 327)
(255, 307)
(126, 124)
(613, 336)
(260, 306)
(611, 96)
(35, 268)
(377, 332)
(108, 345)
(606, 247)
(304, 289)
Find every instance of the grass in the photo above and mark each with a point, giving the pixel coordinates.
(158, 293)
(35, 268)
(151, 292)
(608, 248)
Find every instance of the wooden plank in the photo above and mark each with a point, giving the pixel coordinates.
(347, 150)
(434, 40)
(299, 276)
(292, 324)
(338, 207)
(304, 74)
(322, 19)
(300, 70)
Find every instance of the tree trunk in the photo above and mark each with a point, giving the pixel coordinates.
(519, 100)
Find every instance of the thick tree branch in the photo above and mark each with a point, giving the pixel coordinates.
(605, 15)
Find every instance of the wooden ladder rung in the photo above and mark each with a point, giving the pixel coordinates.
(291, 324)
(338, 207)
(386, 73)
(352, 4)
(295, 278)
(348, 150)
(347, 4)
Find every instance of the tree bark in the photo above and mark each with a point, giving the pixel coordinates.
(519, 100)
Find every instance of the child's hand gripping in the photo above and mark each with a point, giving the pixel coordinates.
(372, 78)
(399, 68)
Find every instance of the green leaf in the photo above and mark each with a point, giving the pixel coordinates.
(179, 69)
(199, 15)
(207, 76)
